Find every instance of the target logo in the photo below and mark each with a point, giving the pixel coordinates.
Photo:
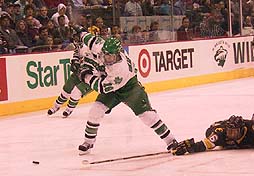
(3, 80)
(144, 63)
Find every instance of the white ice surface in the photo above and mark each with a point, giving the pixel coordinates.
(53, 141)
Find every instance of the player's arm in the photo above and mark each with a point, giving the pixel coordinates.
(93, 77)
(188, 146)
(215, 136)
(94, 43)
(75, 61)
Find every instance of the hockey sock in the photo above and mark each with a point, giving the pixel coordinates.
(151, 119)
(91, 131)
(162, 130)
(72, 103)
(61, 100)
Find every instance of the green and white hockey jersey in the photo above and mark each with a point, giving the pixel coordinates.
(94, 43)
(114, 77)
(87, 57)
(90, 47)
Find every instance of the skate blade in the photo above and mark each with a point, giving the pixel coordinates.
(81, 153)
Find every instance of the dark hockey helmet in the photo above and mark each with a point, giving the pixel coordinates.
(76, 35)
(234, 127)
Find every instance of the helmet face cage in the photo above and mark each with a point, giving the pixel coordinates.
(111, 48)
(234, 127)
(109, 59)
(233, 133)
(235, 121)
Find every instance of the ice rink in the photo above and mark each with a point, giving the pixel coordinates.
(53, 141)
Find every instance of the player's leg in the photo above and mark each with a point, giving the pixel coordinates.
(72, 102)
(152, 120)
(103, 103)
(137, 100)
(95, 116)
(80, 90)
(63, 97)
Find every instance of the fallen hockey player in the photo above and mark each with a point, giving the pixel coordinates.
(233, 133)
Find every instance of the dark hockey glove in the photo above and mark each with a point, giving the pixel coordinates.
(75, 66)
(184, 147)
(101, 68)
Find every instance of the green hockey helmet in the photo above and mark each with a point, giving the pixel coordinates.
(112, 46)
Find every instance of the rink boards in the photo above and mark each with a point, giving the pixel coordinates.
(32, 82)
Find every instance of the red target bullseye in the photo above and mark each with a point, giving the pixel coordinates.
(144, 63)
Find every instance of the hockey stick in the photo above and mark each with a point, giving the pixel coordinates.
(124, 158)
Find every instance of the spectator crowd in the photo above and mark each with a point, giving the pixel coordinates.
(50, 25)
(43, 25)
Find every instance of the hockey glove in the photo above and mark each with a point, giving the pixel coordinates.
(184, 147)
(75, 66)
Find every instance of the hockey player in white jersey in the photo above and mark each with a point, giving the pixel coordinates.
(74, 89)
(117, 84)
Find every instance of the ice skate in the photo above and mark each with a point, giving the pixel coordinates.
(85, 148)
(67, 112)
(53, 110)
